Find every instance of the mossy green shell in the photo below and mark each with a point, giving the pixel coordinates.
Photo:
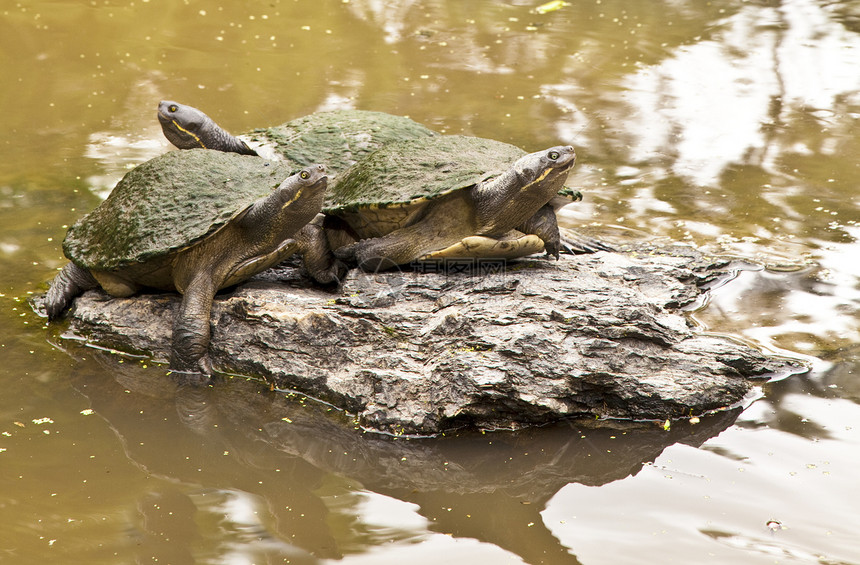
(338, 138)
(167, 204)
(415, 170)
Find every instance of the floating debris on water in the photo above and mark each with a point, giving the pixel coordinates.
(551, 6)
(774, 525)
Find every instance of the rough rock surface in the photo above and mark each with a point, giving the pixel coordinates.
(470, 344)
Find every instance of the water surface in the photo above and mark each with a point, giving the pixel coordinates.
(728, 125)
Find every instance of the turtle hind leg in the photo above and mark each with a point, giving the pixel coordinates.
(444, 223)
(72, 281)
(400, 247)
(379, 253)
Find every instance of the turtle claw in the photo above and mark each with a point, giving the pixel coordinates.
(183, 364)
(338, 271)
(333, 274)
(553, 248)
(205, 365)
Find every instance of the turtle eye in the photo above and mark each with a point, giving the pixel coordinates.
(304, 175)
(172, 108)
(554, 155)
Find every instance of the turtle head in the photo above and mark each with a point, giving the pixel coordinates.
(506, 201)
(545, 166)
(187, 127)
(302, 193)
(184, 126)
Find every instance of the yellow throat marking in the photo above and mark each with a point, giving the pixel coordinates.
(182, 129)
(537, 180)
(293, 199)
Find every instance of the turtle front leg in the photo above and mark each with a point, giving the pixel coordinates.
(191, 331)
(315, 243)
(544, 225)
(72, 281)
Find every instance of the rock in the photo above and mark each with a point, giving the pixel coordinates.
(470, 344)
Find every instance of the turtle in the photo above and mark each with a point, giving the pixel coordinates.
(192, 221)
(446, 196)
(338, 138)
(420, 165)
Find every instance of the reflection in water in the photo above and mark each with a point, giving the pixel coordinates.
(728, 101)
(125, 144)
(841, 379)
(387, 17)
(730, 491)
(804, 311)
(236, 435)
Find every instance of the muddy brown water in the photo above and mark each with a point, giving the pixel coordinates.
(729, 125)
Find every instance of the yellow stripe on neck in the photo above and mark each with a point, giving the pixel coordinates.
(537, 180)
(293, 199)
(182, 129)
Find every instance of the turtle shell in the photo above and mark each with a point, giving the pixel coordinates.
(167, 204)
(338, 138)
(413, 171)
